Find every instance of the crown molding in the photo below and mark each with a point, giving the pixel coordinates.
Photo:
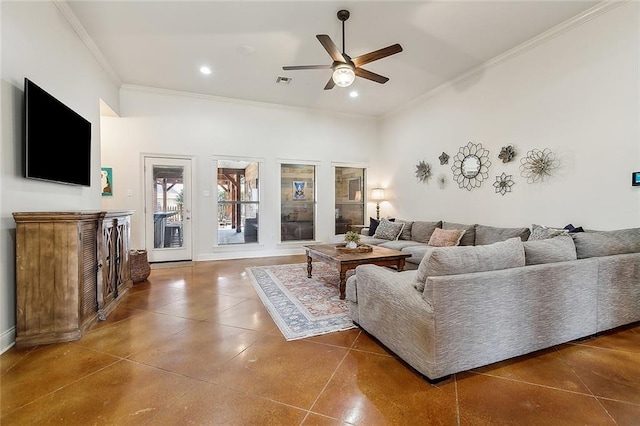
(203, 96)
(558, 30)
(72, 19)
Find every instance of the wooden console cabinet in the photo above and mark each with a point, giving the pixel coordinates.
(72, 268)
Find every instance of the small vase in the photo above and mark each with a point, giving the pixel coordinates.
(352, 244)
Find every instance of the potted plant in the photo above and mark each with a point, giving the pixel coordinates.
(352, 239)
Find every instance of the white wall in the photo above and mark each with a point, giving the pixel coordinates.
(169, 123)
(576, 94)
(38, 43)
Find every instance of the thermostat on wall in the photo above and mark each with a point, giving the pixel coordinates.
(635, 178)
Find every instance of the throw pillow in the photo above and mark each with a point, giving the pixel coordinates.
(469, 238)
(388, 230)
(373, 225)
(572, 229)
(446, 237)
(541, 232)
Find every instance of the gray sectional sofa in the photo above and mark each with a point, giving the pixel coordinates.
(415, 236)
(469, 306)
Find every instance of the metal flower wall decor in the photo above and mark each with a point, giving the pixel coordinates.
(507, 153)
(538, 166)
(503, 183)
(444, 158)
(423, 171)
(471, 166)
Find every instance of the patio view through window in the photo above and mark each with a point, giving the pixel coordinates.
(168, 214)
(238, 202)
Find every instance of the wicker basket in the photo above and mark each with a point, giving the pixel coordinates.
(140, 268)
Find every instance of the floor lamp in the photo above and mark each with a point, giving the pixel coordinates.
(377, 195)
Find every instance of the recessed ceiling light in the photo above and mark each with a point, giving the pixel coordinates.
(353, 94)
(205, 70)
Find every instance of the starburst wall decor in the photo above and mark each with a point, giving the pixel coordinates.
(503, 183)
(538, 166)
(423, 171)
(507, 153)
(444, 158)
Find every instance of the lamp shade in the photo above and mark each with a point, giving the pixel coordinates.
(377, 194)
(343, 75)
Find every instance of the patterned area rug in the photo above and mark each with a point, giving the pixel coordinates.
(300, 306)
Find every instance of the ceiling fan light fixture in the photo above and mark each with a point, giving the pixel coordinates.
(343, 75)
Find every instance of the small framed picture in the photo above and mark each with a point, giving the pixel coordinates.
(298, 190)
(106, 181)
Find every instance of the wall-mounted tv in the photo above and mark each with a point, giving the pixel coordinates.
(57, 139)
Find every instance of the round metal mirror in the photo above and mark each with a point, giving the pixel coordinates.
(470, 166)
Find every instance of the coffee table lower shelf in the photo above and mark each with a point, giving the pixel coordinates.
(345, 261)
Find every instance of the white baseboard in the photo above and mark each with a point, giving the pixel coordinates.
(7, 340)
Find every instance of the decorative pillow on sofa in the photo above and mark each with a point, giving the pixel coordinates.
(491, 234)
(446, 237)
(541, 232)
(467, 259)
(469, 237)
(549, 250)
(421, 231)
(373, 225)
(388, 230)
(607, 243)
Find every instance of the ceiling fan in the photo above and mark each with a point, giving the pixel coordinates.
(345, 69)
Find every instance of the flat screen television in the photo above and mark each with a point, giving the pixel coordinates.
(57, 139)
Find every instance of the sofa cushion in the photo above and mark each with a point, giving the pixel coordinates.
(469, 237)
(417, 252)
(388, 230)
(406, 231)
(607, 243)
(491, 234)
(421, 231)
(550, 250)
(541, 232)
(446, 237)
(399, 244)
(467, 259)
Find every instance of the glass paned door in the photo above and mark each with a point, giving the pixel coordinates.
(168, 209)
(349, 193)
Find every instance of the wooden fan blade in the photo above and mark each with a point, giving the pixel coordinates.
(330, 47)
(360, 72)
(378, 54)
(306, 67)
(330, 84)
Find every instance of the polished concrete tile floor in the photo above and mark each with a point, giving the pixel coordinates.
(194, 345)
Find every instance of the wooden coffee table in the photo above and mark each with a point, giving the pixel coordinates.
(345, 261)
